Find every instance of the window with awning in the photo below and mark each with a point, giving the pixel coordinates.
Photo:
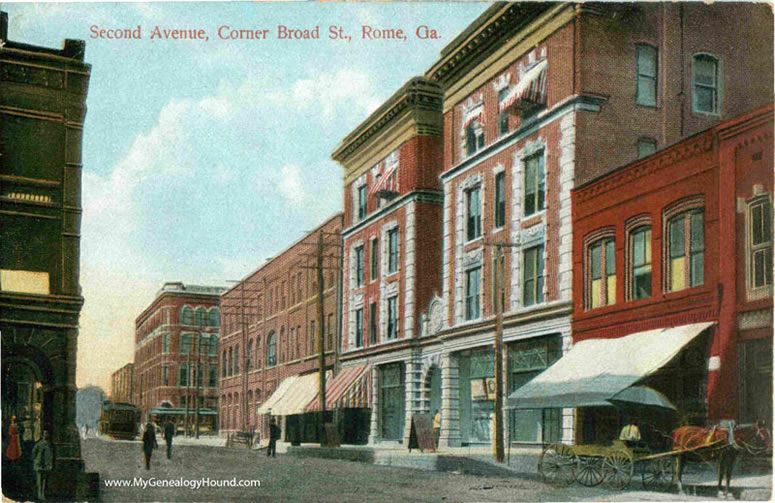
(529, 91)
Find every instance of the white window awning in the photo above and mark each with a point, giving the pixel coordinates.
(531, 88)
(303, 390)
(282, 389)
(595, 370)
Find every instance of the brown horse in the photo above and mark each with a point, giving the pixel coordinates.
(706, 444)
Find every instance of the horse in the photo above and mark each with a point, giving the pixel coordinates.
(706, 444)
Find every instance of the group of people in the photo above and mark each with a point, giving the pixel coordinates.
(42, 454)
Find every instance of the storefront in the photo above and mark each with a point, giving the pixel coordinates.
(477, 395)
(392, 397)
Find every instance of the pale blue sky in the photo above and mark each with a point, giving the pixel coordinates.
(201, 159)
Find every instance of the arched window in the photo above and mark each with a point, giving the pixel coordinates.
(600, 270)
(249, 356)
(236, 360)
(271, 350)
(186, 315)
(201, 317)
(685, 250)
(214, 317)
(231, 361)
(639, 273)
(258, 352)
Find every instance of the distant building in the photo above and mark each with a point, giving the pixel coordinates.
(121, 384)
(679, 238)
(42, 110)
(175, 335)
(271, 330)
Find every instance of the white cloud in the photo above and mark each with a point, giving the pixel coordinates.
(291, 185)
(347, 88)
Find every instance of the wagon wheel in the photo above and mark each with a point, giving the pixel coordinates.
(589, 470)
(659, 474)
(556, 465)
(618, 468)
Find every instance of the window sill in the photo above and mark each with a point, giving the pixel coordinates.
(707, 115)
(644, 105)
(388, 275)
(479, 239)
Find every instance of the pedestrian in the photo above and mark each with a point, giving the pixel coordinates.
(149, 444)
(13, 452)
(169, 433)
(42, 463)
(274, 436)
(436, 428)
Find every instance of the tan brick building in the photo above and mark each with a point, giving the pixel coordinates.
(122, 384)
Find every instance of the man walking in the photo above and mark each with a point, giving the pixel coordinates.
(274, 435)
(149, 444)
(42, 463)
(169, 433)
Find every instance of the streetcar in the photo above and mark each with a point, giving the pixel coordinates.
(119, 420)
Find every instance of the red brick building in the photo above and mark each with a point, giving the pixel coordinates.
(122, 384)
(540, 97)
(180, 327)
(392, 257)
(270, 326)
(680, 237)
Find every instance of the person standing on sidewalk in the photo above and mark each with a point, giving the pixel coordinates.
(169, 433)
(436, 428)
(42, 463)
(149, 444)
(274, 436)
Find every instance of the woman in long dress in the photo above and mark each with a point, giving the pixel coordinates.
(13, 452)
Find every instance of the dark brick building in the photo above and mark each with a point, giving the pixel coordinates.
(122, 384)
(179, 329)
(688, 234)
(42, 110)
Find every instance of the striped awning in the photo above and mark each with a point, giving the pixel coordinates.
(279, 393)
(303, 390)
(349, 389)
(531, 88)
(388, 182)
(475, 113)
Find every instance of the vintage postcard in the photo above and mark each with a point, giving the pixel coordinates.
(303, 251)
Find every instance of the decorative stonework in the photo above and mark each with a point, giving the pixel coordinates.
(460, 234)
(501, 82)
(409, 269)
(41, 77)
(754, 319)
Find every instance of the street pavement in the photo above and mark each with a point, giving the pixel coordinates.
(291, 478)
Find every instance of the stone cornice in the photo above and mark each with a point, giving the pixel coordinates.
(419, 94)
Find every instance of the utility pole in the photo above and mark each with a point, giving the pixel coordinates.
(497, 265)
(321, 338)
(188, 389)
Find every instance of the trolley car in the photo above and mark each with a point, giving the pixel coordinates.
(119, 420)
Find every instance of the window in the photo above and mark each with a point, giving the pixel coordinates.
(186, 315)
(374, 258)
(198, 374)
(213, 345)
(474, 137)
(646, 147)
(223, 364)
(361, 202)
(503, 115)
(214, 317)
(474, 212)
(358, 328)
(359, 265)
(392, 326)
(183, 374)
(185, 344)
(271, 349)
(166, 343)
(201, 317)
(236, 359)
(392, 251)
(500, 200)
(330, 336)
(282, 345)
(373, 323)
(282, 293)
(312, 338)
(535, 183)
(472, 293)
(686, 250)
(601, 285)
(760, 218)
(165, 375)
(249, 356)
(211, 381)
(647, 75)
(533, 276)
(640, 263)
(705, 84)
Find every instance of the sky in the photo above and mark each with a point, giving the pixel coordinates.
(202, 158)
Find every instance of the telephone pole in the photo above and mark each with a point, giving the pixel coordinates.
(321, 338)
(497, 264)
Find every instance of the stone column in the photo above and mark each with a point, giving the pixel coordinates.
(412, 392)
(450, 402)
(374, 433)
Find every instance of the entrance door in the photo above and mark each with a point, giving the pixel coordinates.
(392, 401)
(435, 394)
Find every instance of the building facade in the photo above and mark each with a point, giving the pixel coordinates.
(177, 338)
(271, 326)
(392, 253)
(539, 98)
(122, 384)
(680, 237)
(42, 108)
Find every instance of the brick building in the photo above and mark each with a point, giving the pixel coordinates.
(122, 384)
(180, 327)
(42, 111)
(391, 262)
(682, 237)
(270, 326)
(540, 97)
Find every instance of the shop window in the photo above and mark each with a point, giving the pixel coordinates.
(535, 184)
(374, 259)
(473, 277)
(647, 75)
(760, 232)
(392, 250)
(271, 350)
(392, 325)
(705, 84)
(500, 200)
(601, 283)
(646, 147)
(533, 276)
(359, 328)
(473, 214)
(686, 250)
(640, 263)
